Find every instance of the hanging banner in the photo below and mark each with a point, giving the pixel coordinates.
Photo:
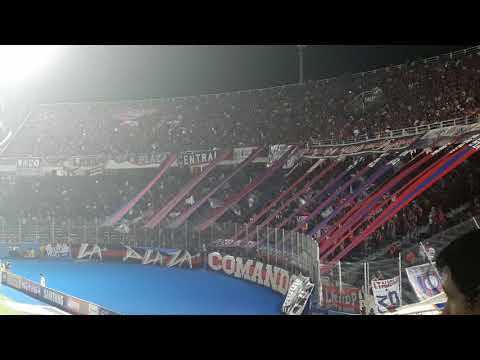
(127, 161)
(240, 154)
(195, 158)
(450, 132)
(348, 300)
(29, 167)
(366, 100)
(374, 146)
(424, 280)
(386, 294)
(276, 152)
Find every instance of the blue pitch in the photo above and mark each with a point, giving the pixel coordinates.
(142, 289)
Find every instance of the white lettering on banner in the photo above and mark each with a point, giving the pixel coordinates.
(179, 258)
(277, 279)
(228, 264)
(132, 254)
(158, 259)
(53, 296)
(14, 280)
(271, 277)
(214, 265)
(28, 163)
(73, 305)
(243, 271)
(386, 294)
(58, 250)
(240, 154)
(257, 273)
(92, 309)
(348, 300)
(30, 287)
(198, 158)
(84, 252)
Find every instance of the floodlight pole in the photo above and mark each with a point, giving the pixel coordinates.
(300, 62)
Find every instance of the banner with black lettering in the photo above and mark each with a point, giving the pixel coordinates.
(29, 167)
(56, 250)
(195, 158)
(374, 146)
(386, 294)
(424, 280)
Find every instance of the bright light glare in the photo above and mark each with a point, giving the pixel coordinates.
(17, 62)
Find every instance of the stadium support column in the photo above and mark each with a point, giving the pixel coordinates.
(300, 63)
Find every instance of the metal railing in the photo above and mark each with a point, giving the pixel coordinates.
(398, 133)
(292, 251)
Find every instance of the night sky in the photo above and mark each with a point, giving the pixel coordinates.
(102, 73)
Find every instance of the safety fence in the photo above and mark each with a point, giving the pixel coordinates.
(352, 281)
(345, 288)
(398, 133)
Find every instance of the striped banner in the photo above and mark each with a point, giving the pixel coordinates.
(456, 157)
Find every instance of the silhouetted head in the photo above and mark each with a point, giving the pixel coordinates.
(459, 263)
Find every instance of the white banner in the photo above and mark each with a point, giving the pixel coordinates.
(57, 250)
(240, 154)
(386, 294)
(192, 158)
(270, 276)
(424, 280)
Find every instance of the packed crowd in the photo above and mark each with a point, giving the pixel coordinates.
(340, 108)
(84, 198)
(433, 212)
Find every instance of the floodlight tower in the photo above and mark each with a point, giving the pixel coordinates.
(300, 62)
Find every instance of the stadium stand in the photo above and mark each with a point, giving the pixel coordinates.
(353, 204)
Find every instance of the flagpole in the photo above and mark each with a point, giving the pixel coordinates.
(340, 276)
(430, 260)
(400, 275)
(365, 286)
(319, 274)
(365, 277)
